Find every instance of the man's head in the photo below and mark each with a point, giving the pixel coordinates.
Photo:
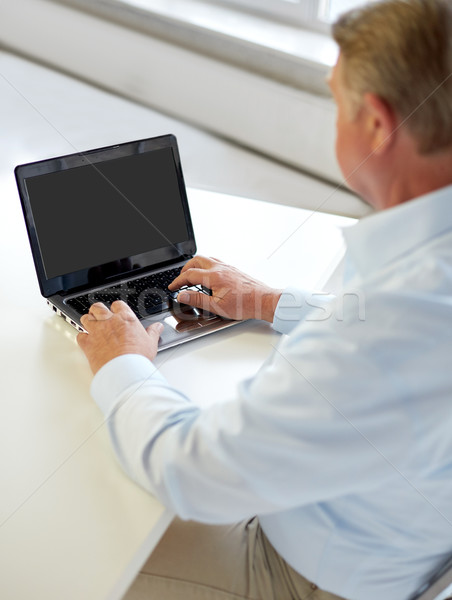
(393, 89)
(401, 51)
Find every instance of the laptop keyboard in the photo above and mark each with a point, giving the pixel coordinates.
(146, 296)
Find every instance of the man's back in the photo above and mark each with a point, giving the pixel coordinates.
(380, 411)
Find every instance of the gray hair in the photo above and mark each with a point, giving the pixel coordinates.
(401, 50)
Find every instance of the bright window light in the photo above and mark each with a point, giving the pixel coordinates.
(314, 13)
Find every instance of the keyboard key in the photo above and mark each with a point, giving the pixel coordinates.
(146, 295)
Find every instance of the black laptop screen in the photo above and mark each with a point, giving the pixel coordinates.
(99, 213)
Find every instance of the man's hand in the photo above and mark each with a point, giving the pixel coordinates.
(115, 332)
(234, 294)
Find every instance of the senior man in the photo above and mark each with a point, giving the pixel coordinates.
(341, 444)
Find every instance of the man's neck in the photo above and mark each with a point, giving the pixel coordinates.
(419, 175)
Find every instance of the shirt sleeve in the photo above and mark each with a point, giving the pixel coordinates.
(271, 448)
(295, 305)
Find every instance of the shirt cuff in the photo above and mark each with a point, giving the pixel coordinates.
(120, 374)
(295, 305)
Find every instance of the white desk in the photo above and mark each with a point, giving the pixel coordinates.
(72, 525)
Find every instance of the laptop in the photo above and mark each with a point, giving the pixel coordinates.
(110, 224)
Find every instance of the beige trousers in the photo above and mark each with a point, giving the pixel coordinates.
(228, 562)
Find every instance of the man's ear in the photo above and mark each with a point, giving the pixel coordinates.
(382, 123)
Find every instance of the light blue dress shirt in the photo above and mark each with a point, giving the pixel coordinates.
(342, 442)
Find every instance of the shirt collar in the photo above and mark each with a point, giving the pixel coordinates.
(382, 237)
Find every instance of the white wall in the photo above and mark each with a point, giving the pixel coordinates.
(289, 125)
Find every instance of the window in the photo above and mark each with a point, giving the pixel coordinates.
(329, 10)
(314, 13)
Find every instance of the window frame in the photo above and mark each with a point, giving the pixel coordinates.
(304, 13)
(316, 15)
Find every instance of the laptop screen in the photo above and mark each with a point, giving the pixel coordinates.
(96, 216)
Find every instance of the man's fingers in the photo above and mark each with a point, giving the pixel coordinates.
(192, 276)
(86, 320)
(196, 299)
(99, 311)
(88, 317)
(155, 330)
(198, 261)
(119, 306)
